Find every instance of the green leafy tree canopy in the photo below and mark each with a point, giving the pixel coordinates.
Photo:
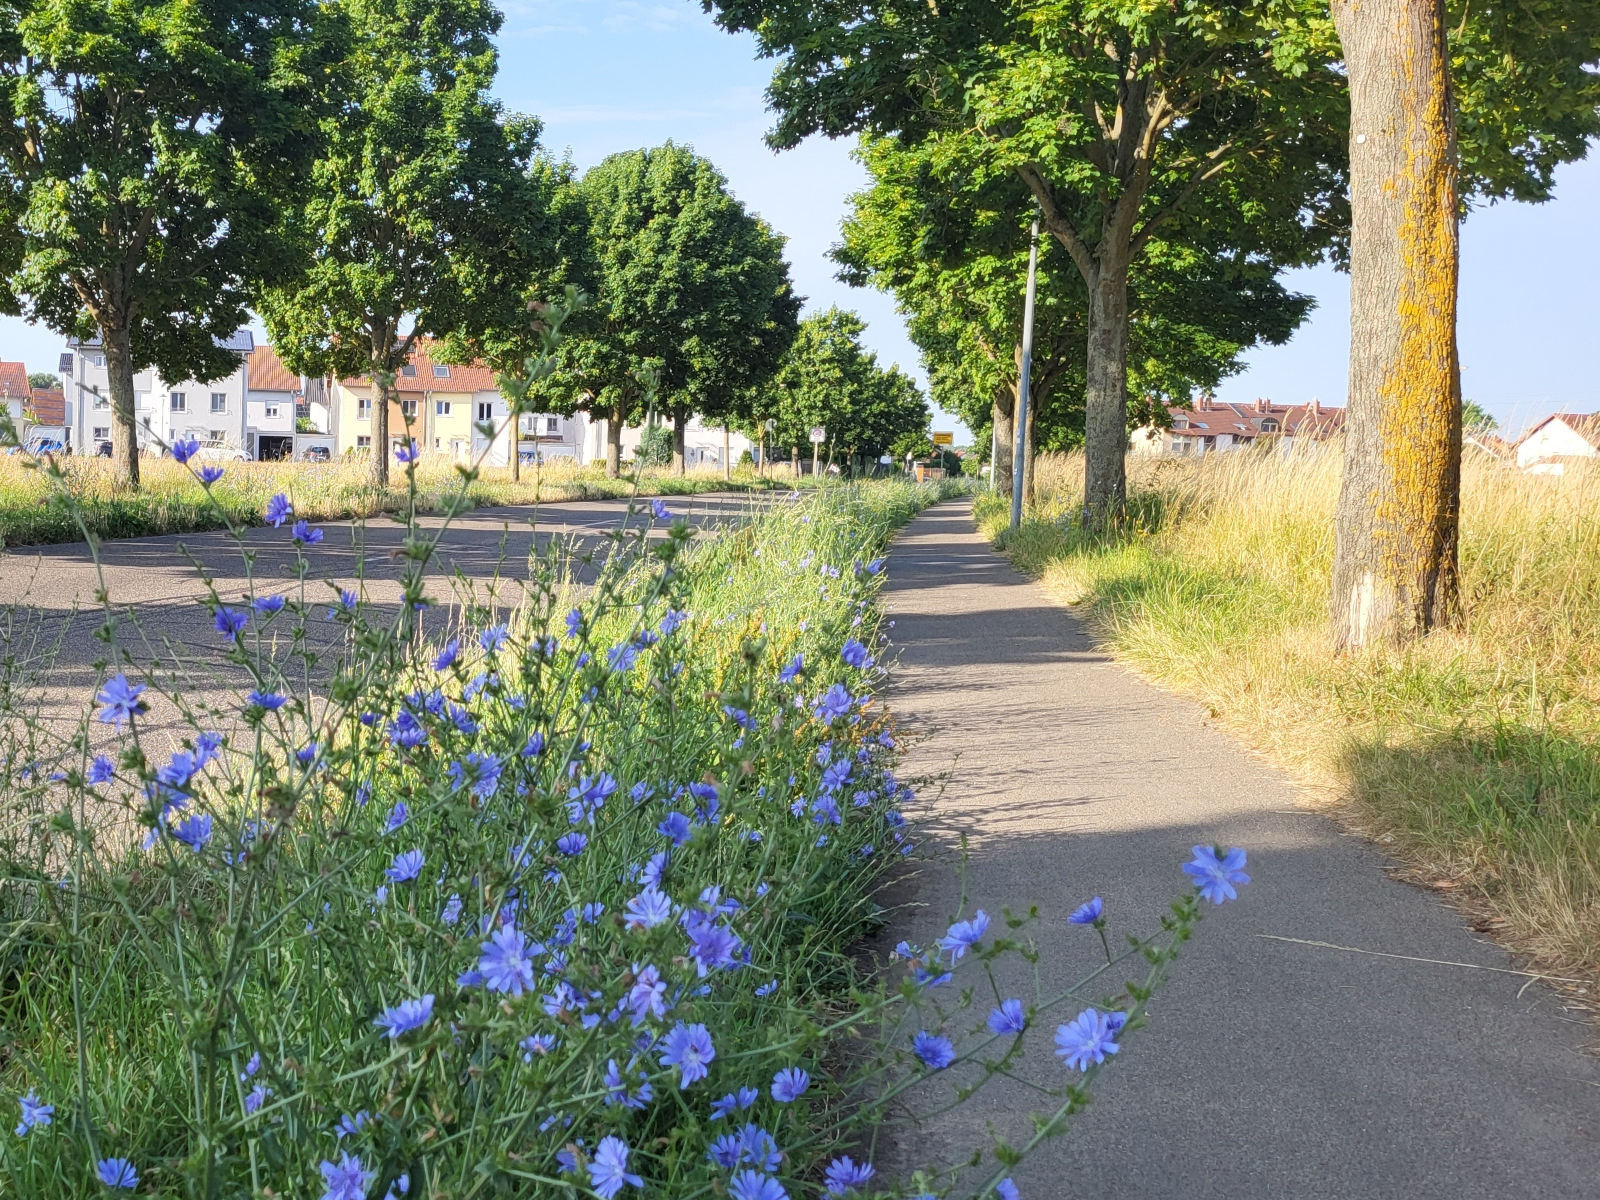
(425, 216)
(148, 150)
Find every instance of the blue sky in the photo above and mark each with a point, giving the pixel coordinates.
(609, 75)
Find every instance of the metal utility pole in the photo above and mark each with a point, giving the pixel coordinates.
(1019, 458)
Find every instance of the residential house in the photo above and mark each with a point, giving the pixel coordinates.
(272, 394)
(15, 394)
(164, 410)
(1214, 426)
(442, 406)
(1550, 445)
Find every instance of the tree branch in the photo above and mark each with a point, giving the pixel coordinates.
(1058, 225)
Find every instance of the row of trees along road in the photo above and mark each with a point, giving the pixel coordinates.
(828, 380)
(344, 170)
(691, 299)
(942, 232)
(1272, 132)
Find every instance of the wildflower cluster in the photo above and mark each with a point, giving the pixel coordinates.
(534, 897)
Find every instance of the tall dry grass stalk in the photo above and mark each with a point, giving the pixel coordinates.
(1475, 755)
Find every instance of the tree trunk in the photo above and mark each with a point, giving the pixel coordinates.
(679, 420)
(124, 422)
(1002, 411)
(1395, 572)
(614, 442)
(1105, 416)
(380, 430)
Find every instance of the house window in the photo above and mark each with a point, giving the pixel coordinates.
(98, 360)
(219, 401)
(363, 442)
(435, 443)
(408, 409)
(552, 424)
(102, 401)
(485, 410)
(1269, 426)
(363, 408)
(1180, 422)
(102, 433)
(217, 435)
(441, 408)
(180, 402)
(409, 370)
(440, 371)
(273, 410)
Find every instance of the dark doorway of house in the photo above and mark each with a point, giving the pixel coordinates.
(271, 447)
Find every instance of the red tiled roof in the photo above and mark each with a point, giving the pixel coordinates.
(1585, 425)
(268, 374)
(14, 380)
(50, 406)
(471, 378)
(1245, 421)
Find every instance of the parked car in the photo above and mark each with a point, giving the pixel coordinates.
(102, 449)
(316, 454)
(219, 452)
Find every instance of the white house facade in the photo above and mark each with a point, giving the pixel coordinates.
(1544, 449)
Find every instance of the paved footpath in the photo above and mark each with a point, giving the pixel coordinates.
(1269, 1069)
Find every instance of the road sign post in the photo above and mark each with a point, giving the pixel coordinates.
(818, 436)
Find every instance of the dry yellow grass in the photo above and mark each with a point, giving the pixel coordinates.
(170, 500)
(1475, 755)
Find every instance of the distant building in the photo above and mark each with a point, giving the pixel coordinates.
(445, 404)
(1214, 427)
(1557, 440)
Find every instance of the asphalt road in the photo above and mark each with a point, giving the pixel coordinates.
(156, 585)
(1270, 1069)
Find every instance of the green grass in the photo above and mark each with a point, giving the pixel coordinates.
(137, 983)
(1474, 756)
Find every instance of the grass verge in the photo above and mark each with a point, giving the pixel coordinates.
(1474, 757)
(171, 500)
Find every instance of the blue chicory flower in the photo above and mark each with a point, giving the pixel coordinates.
(649, 909)
(963, 935)
(608, 1169)
(406, 866)
(836, 702)
(406, 1016)
(305, 534)
(1086, 1039)
(1215, 876)
(689, 1048)
(1087, 913)
(935, 1051)
(33, 1113)
(855, 655)
(743, 1098)
(271, 701)
(507, 961)
(843, 1174)
(790, 1084)
(117, 1173)
(119, 700)
(1008, 1018)
(230, 622)
(184, 449)
(209, 475)
(279, 510)
(347, 1179)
